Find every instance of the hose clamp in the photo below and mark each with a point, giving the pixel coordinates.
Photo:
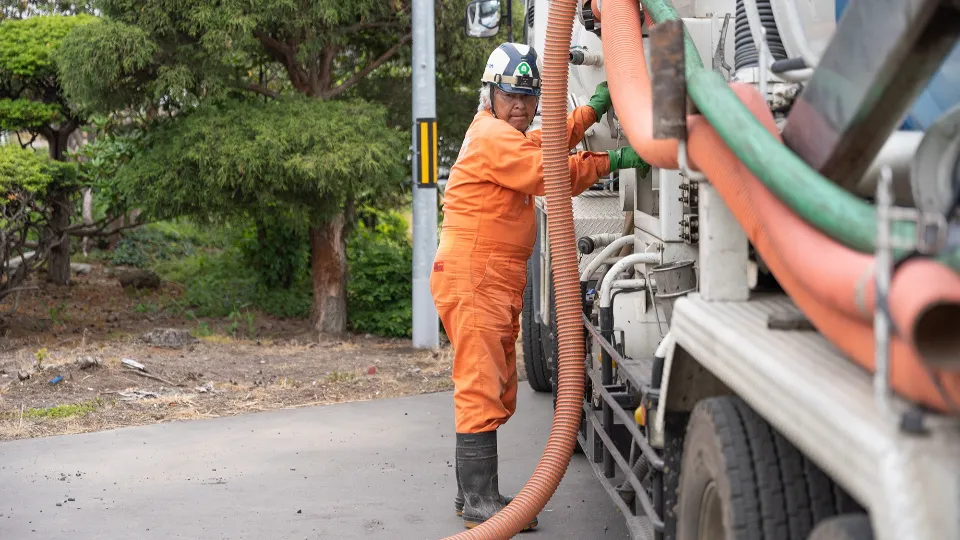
(931, 236)
(932, 231)
(684, 164)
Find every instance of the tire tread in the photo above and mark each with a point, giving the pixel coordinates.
(534, 361)
(776, 492)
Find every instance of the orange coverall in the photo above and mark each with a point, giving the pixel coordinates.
(479, 273)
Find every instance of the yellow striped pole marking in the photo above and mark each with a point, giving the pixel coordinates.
(427, 152)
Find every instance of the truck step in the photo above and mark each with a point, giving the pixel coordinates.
(639, 526)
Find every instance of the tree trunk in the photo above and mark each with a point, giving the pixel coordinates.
(58, 266)
(328, 265)
(87, 215)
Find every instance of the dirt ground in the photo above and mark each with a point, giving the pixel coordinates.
(83, 332)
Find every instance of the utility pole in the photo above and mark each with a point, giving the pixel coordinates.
(426, 328)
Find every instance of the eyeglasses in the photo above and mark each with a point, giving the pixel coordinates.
(530, 101)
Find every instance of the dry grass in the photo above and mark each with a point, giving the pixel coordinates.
(213, 378)
(282, 366)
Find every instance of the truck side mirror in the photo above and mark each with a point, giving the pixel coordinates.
(482, 18)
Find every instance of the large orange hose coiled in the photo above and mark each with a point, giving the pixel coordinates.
(570, 376)
(830, 283)
(625, 77)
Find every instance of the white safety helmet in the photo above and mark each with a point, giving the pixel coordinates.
(514, 68)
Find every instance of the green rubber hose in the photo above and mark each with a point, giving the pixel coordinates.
(815, 199)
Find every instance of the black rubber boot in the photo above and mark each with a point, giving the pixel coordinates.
(477, 473)
(458, 500)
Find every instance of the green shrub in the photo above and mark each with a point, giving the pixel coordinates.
(380, 268)
(155, 243)
(220, 284)
(387, 226)
(147, 246)
(228, 281)
(206, 235)
(278, 250)
(101, 159)
(294, 302)
(27, 178)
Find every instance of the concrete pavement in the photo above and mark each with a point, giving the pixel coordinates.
(379, 469)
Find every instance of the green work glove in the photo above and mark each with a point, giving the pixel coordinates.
(626, 158)
(600, 101)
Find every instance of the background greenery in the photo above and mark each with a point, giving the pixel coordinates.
(227, 141)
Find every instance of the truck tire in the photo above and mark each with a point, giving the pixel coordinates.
(795, 494)
(740, 479)
(846, 527)
(716, 476)
(535, 362)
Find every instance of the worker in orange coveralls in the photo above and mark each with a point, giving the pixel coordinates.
(479, 272)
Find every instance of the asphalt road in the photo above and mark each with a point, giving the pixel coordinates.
(379, 469)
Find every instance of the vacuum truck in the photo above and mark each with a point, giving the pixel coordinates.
(759, 336)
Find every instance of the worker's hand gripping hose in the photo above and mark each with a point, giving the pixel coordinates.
(566, 418)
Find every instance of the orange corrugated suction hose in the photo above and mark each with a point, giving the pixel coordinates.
(741, 191)
(566, 418)
(850, 285)
(839, 300)
(629, 82)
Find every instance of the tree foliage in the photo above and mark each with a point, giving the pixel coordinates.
(30, 95)
(109, 66)
(276, 248)
(456, 106)
(26, 180)
(21, 9)
(168, 56)
(293, 156)
(261, 111)
(27, 46)
(25, 114)
(28, 172)
(32, 101)
(380, 289)
(459, 64)
(99, 162)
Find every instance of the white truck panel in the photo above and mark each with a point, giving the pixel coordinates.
(632, 313)
(671, 209)
(723, 250)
